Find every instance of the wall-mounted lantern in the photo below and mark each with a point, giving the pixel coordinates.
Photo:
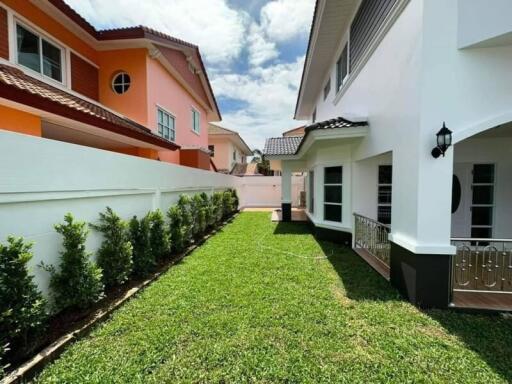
(444, 141)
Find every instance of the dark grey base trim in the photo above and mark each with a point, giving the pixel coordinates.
(286, 212)
(424, 279)
(334, 236)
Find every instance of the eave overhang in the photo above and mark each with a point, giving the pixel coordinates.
(330, 21)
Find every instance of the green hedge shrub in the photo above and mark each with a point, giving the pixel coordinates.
(235, 201)
(115, 253)
(209, 210)
(22, 306)
(78, 282)
(227, 203)
(186, 209)
(176, 229)
(143, 259)
(200, 215)
(218, 206)
(158, 236)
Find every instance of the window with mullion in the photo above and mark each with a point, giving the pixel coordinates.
(333, 194)
(38, 54)
(166, 125)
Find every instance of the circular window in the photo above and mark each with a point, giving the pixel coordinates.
(121, 82)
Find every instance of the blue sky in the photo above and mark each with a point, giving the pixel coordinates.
(253, 50)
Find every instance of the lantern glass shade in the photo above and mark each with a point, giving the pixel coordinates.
(444, 138)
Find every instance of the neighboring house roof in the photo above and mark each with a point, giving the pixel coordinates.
(215, 130)
(16, 86)
(245, 169)
(290, 145)
(140, 32)
(299, 131)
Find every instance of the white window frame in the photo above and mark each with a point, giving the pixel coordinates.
(41, 36)
(379, 184)
(324, 203)
(491, 206)
(171, 116)
(338, 60)
(194, 113)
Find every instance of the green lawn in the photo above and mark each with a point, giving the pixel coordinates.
(259, 303)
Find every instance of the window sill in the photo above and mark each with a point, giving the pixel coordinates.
(197, 133)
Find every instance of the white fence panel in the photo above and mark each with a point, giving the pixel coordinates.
(41, 180)
(265, 191)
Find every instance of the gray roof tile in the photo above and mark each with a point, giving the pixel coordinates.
(291, 144)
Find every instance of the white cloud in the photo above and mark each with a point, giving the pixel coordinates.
(284, 20)
(260, 49)
(269, 94)
(218, 29)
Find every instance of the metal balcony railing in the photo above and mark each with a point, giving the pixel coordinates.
(372, 236)
(482, 265)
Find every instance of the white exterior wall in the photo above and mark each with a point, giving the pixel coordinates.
(416, 78)
(386, 93)
(42, 180)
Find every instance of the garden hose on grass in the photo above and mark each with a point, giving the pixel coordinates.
(262, 247)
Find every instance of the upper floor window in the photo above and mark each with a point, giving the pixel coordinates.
(38, 54)
(327, 88)
(195, 121)
(211, 148)
(234, 155)
(313, 117)
(166, 125)
(121, 82)
(342, 68)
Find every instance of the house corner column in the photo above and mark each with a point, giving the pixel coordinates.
(421, 251)
(286, 192)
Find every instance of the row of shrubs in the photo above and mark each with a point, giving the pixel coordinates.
(130, 249)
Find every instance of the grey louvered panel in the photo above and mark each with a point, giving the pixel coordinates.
(367, 22)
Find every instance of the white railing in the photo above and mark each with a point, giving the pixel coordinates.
(482, 264)
(372, 236)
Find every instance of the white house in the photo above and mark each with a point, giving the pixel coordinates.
(380, 78)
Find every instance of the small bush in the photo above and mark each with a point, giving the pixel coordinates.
(176, 229)
(227, 203)
(209, 210)
(200, 213)
(143, 259)
(77, 283)
(236, 200)
(158, 236)
(186, 207)
(115, 253)
(22, 306)
(218, 206)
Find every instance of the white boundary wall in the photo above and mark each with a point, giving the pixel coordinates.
(41, 180)
(265, 191)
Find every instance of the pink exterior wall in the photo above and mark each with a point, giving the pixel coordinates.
(165, 91)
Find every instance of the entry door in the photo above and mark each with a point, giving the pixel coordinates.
(461, 217)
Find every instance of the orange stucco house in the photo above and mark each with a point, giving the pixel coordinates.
(130, 90)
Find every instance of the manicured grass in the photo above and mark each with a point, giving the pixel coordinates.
(242, 309)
